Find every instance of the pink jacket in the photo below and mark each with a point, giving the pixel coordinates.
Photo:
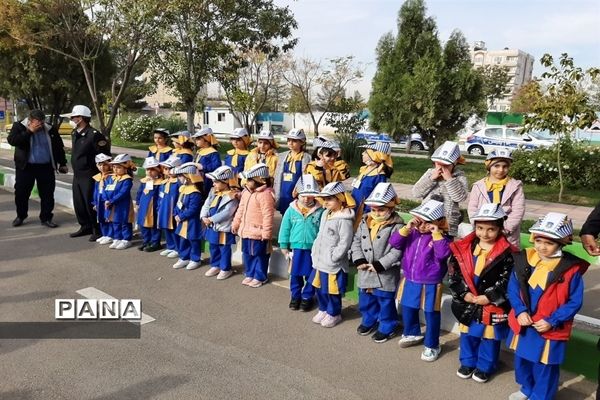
(254, 217)
(513, 203)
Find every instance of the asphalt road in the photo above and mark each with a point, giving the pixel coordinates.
(210, 339)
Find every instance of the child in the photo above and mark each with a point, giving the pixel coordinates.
(146, 201)
(499, 188)
(479, 271)
(325, 170)
(101, 180)
(160, 150)
(426, 249)
(378, 167)
(183, 146)
(253, 222)
(446, 182)
(187, 216)
(290, 166)
(167, 198)
(378, 264)
(545, 292)
(217, 215)
(330, 253)
(118, 207)
(316, 145)
(298, 231)
(236, 157)
(207, 156)
(265, 152)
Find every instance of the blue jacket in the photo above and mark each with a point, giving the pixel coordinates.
(167, 197)
(118, 192)
(222, 213)
(298, 231)
(188, 211)
(147, 202)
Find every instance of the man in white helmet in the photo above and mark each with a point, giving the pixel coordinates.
(86, 143)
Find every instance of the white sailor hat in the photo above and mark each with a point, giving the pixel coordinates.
(163, 131)
(172, 162)
(500, 153)
(448, 153)
(383, 147)
(319, 140)
(187, 168)
(382, 194)
(121, 159)
(489, 212)
(557, 226)
(223, 173)
(239, 133)
(296, 134)
(331, 144)
(259, 170)
(150, 162)
(331, 189)
(202, 132)
(182, 133)
(265, 135)
(307, 186)
(431, 210)
(100, 158)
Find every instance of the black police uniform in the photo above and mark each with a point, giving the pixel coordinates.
(85, 145)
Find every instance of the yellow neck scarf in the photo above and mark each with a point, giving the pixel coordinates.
(375, 226)
(481, 255)
(380, 158)
(235, 153)
(541, 268)
(218, 196)
(292, 158)
(496, 188)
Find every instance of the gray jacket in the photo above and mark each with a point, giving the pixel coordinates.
(330, 249)
(453, 192)
(279, 172)
(222, 219)
(378, 253)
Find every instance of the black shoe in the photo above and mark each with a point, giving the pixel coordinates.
(152, 247)
(17, 222)
(81, 232)
(379, 337)
(306, 305)
(480, 376)
(465, 372)
(294, 304)
(94, 236)
(49, 224)
(363, 330)
(142, 247)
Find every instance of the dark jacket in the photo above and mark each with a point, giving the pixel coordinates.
(85, 145)
(20, 137)
(592, 223)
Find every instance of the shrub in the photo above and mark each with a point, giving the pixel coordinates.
(139, 128)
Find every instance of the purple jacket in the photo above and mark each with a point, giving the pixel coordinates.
(424, 259)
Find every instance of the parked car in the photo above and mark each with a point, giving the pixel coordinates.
(416, 142)
(500, 136)
(374, 137)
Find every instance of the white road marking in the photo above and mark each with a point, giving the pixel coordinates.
(93, 293)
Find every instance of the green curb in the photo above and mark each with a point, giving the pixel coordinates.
(1, 178)
(582, 355)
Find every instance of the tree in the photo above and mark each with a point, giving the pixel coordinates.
(495, 81)
(348, 118)
(564, 106)
(209, 37)
(525, 98)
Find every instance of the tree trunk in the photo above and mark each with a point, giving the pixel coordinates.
(560, 176)
(190, 108)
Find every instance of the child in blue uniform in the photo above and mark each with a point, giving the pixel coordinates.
(102, 179)
(265, 152)
(327, 169)
(426, 250)
(117, 202)
(160, 150)
(236, 157)
(183, 146)
(217, 216)
(207, 156)
(479, 270)
(146, 202)
(290, 166)
(378, 167)
(545, 291)
(187, 217)
(168, 194)
(297, 234)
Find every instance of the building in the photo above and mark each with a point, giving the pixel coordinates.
(518, 63)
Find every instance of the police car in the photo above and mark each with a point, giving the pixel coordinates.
(416, 142)
(491, 137)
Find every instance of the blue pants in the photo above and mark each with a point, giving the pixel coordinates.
(172, 239)
(538, 381)
(256, 258)
(479, 353)
(189, 249)
(330, 303)
(410, 318)
(106, 229)
(150, 235)
(122, 231)
(220, 256)
(380, 309)
(301, 288)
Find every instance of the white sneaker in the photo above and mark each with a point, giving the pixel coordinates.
(101, 238)
(319, 317)
(331, 321)
(212, 271)
(410, 340)
(180, 263)
(105, 240)
(125, 244)
(164, 252)
(517, 396)
(193, 265)
(224, 275)
(173, 254)
(114, 244)
(430, 354)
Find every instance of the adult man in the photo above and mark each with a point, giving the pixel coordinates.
(86, 143)
(589, 232)
(39, 152)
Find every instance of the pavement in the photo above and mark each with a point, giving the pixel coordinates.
(209, 339)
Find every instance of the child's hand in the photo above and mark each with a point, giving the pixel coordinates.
(469, 298)
(234, 230)
(362, 266)
(524, 319)
(446, 172)
(433, 228)
(371, 268)
(542, 326)
(435, 173)
(481, 300)
(107, 204)
(177, 219)
(94, 208)
(136, 208)
(206, 221)
(413, 223)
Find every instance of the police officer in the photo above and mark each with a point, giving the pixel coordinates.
(86, 143)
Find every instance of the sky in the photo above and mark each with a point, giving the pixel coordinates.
(335, 28)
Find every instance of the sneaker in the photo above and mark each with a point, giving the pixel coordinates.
(224, 275)
(152, 247)
(410, 340)
(164, 253)
(142, 246)
(212, 271)
(294, 304)
(319, 317)
(363, 330)
(517, 396)
(329, 321)
(246, 281)
(465, 372)
(193, 265)
(430, 354)
(125, 244)
(173, 254)
(255, 283)
(480, 376)
(101, 238)
(105, 240)
(114, 244)
(380, 337)
(180, 264)
(306, 305)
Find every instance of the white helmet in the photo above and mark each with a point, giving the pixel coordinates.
(78, 111)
